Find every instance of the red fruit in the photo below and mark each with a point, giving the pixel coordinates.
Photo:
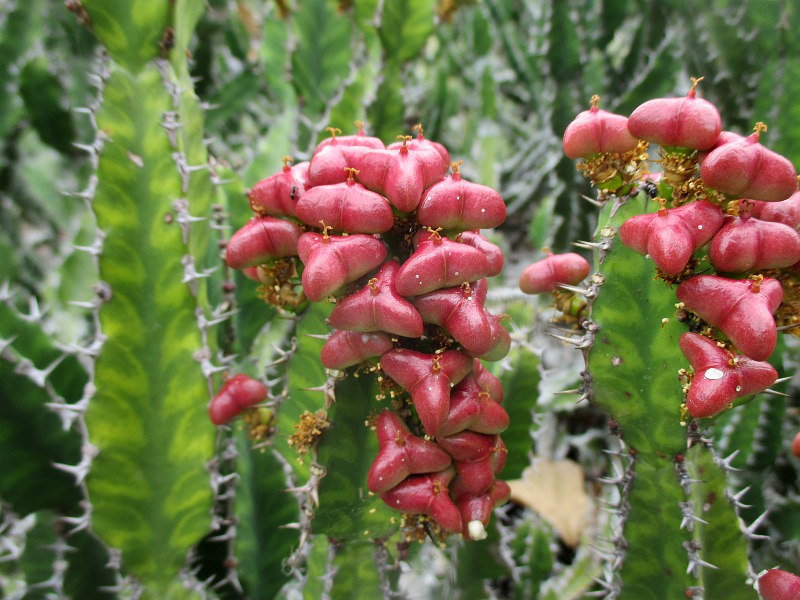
(331, 161)
(477, 510)
(476, 477)
(545, 275)
(237, 393)
(433, 158)
(786, 212)
(359, 140)
(420, 143)
(747, 244)
(719, 376)
(427, 495)
(742, 309)
(595, 131)
(278, 194)
(725, 137)
(688, 122)
(472, 408)
(746, 169)
(347, 348)
(261, 239)
(494, 255)
(487, 382)
(347, 206)
(457, 204)
(796, 444)
(440, 263)
(332, 261)
(460, 311)
(402, 454)
(779, 585)
(428, 378)
(378, 307)
(671, 236)
(500, 340)
(468, 446)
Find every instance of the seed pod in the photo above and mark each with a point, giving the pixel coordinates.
(237, 393)
(261, 239)
(434, 158)
(493, 253)
(477, 476)
(331, 162)
(278, 194)
(545, 275)
(776, 584)
(440, 263)
(346, 207)
(347, 348)
(747, 244)
(487, 382)
(360, 139)
(427, 495)
(746, 169)
(477, 510)
(460, 311)
(332, 261)
(428, 378)
(594, 131)
(402, 454)
(420, 143)
(741, 308)
(500, 340)
(786, 211)
(719, 376)
(454, 203)
(472, 408)
(671, 236)
(378, 307)
(688, 122)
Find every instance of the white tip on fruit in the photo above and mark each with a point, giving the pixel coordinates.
(476, 530)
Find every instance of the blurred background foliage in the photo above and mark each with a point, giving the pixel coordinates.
(495, 81)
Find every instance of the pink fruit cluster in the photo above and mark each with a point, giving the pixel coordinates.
(735, 204)
(237, 394)
(394, 240)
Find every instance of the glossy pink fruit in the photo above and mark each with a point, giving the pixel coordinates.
(479, 508)
(237, 393)
(786, 211)
(427, 495)
(278, 194)
(747, 244)
(595, 131)
(719, 377)
(420, 143)
(776, 584)
(402, 454)
(347, 348)
(454, 203)
(346, 207)
(428, 378)
(460, 311)
(440, 263)
(746, 169)
(689, 122)
(742, 309)
(488, 382)
(378, 307)
(360, 139)
(331, 161)
(796, 444)
(476, 477)
(671, 236)
(433, 158)
(332, 261)
(500, 340)
(261, 239)
(472, 408)
(545, 275)
(493, 253)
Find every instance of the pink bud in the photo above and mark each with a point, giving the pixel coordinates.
(330, 163)
(428, 378)
(434, 159)
(776, 584)
(402, 454)
(440, 263)
(747, 244)
(671, 236)
(786, 211)
(237, 393)
(347, 206)
(746, 169)
(488, 382)
(427, 495)
(473, 408)
(688, 122)
(420, 143)
(595, 131)
(500, 340)
(454, 203)
(719, 376)
(360, 139)
(476, 477)
(742, 309)
(479, 508)
(261, 239)
(378, 307)
(278, 194)
(544, 275)
(332, 261)
(347, 348)
(493, 253)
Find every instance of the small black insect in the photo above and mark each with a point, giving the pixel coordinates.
(651, 189)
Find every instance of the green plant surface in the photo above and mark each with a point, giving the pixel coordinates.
(520, 390)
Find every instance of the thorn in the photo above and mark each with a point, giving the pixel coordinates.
(787, 327)
(588, 245)
(783, 379)
(725, 463)
(775, 393)
(572, 288)
(318, 336)
(750, 532)
(737, 498)
(579, 343)
(568, 392)
(592, 200)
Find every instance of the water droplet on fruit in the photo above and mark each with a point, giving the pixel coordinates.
(699, 226)
(738, 388)
(714, 374)
(483, 210)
